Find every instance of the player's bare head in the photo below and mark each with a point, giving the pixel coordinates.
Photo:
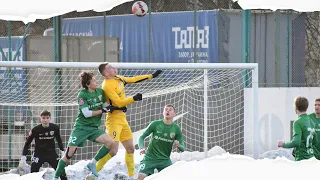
(169, 111)
(45, 113)
(107, 70)
(102, 68)
(317, 106)
(301, 104)
(88, 81)
(45, 118)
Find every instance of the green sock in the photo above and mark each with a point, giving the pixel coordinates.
(60, 168)
(101, 153)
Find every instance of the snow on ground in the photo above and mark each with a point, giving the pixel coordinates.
(29, 176)
(229, 166)
(117, 164)
(192, 165)
(287, 153)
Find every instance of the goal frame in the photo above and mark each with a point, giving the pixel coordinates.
(204, 66)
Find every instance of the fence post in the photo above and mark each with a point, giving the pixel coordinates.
(246, 33)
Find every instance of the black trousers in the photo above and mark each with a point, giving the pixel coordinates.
(51, 159)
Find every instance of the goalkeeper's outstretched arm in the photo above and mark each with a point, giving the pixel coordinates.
(116, 100)
(137, 79)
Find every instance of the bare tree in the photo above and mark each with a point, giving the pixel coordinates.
(312, 69)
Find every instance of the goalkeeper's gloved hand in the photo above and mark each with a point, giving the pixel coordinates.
(137, 97)
(109, 108)
(23, 162)
(155, 74)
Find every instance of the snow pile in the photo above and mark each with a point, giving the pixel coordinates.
(218, 164)
(287, 153)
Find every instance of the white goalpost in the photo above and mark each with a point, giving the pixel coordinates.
(210, 100)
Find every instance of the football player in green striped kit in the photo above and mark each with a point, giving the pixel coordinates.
(165, 134)
(92, 105)
(315, 116)
(303, 132)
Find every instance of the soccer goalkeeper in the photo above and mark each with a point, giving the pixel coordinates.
(165, 134)
(303, 132)
(45, 150)
(116, 122)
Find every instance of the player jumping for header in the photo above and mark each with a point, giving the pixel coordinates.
(116, 122)
(92, 104)
(165, 134)
(303, 132)
(45, 150)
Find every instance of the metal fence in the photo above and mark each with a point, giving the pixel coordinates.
(285, 43)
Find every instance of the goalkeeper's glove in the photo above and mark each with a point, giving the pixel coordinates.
(137, 97)
(155, 74)
(23, 162)
(111, 108)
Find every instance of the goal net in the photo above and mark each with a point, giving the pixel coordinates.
(209, 101)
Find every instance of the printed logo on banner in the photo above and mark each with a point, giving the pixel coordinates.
(178, 46)
(184, 40)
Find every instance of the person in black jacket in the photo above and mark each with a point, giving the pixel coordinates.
(45, 150)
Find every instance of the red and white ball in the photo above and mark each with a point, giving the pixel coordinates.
(139, 8)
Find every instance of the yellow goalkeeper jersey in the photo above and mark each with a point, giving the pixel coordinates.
(114, 90)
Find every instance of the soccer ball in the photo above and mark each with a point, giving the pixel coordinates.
(139, 8)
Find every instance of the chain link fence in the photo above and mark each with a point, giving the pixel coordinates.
(276, 38)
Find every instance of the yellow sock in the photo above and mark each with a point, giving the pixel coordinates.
(129, 158)
(102, 162)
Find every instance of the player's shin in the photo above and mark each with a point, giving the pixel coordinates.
(103, 151)
(129, 158)
(60, 169)
(103, 161)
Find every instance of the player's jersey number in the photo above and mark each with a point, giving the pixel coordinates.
(309, 141)
(72, 139)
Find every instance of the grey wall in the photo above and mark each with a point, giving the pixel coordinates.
(266, 46)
